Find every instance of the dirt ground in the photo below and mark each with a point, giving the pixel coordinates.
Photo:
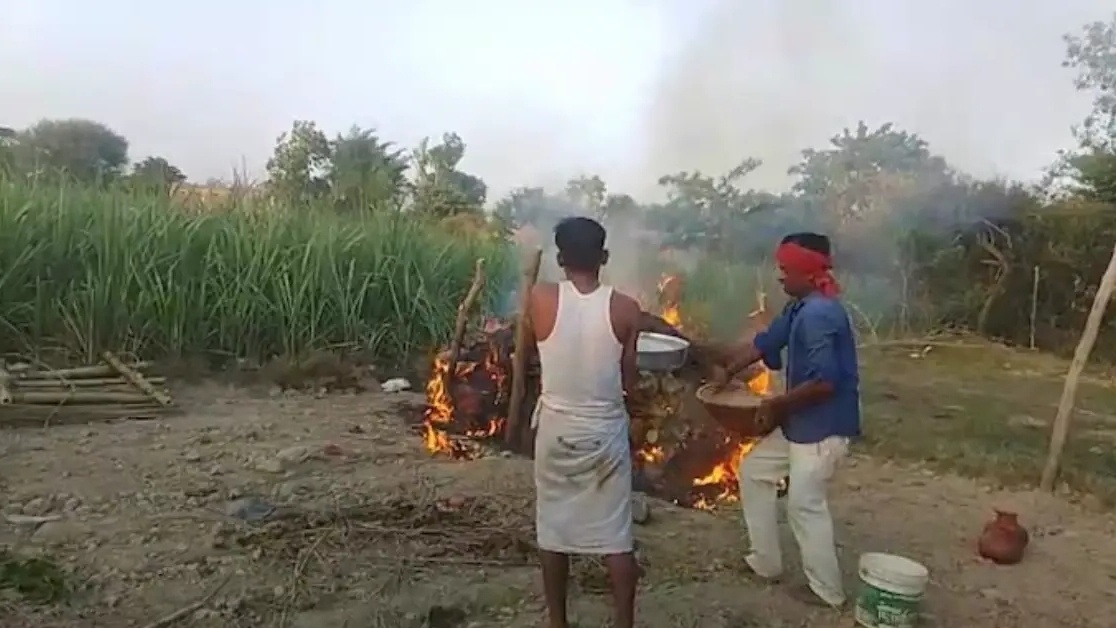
(324, 511)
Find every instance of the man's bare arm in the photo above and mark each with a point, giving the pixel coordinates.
(532, 346)
(743, 357)
(628, 370)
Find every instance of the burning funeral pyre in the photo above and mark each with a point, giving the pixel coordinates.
(680, 453)
(469, 408)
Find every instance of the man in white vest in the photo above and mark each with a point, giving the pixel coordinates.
(586, 338)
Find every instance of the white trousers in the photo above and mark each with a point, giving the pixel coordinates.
(810, 467)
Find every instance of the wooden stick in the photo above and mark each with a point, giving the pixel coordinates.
(1034, 303)
(97, 370)
(519, 358)
(93, 382)
(463, 318)
(20, 415)
(5, 389)
(1060, 428)
(136, 379)
(189, 609)
(51, 397)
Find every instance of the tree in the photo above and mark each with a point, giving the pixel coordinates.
(526, 206)
(157, 171)
(711, 213)
(299, 168)
(441, 189)
(588, 193)
(620, 207)
(1092, 54)
(848, 178)
(366, 171)
(83, 149)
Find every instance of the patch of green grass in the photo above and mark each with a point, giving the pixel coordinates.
(35, 579)
(85, 269)
(984, 411)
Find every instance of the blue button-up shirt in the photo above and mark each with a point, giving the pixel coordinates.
(818, 337)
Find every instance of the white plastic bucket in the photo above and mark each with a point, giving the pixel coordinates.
(891, 590)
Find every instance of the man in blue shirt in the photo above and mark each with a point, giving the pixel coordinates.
(812, 422)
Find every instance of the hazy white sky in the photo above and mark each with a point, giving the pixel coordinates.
(542, 90)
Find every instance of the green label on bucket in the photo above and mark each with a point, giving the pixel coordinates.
(877, 608)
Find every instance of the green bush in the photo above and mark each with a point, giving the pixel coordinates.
(85, 269)
(719, 296)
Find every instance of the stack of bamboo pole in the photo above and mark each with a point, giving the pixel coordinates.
(111, 390)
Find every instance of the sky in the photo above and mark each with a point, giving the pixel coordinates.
(543, 90)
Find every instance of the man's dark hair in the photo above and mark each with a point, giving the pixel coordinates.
(581, 244)
(815, 242)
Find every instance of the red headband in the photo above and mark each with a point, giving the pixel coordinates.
(812, 264)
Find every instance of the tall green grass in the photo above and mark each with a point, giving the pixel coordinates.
(83, 269)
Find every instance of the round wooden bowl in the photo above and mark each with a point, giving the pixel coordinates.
(733, 407)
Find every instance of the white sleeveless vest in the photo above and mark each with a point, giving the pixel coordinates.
(580, 359)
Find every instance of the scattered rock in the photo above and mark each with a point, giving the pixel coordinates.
(249, 509)
(396, 384)
(439, 616)
(37, 506)
(30, 520)
(641, 508)
(61, 532)
(996, 595)
(192, 456)
(269, 465)
(294, 455)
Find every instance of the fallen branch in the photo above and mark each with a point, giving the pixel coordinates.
(23, 415)
(5, 389)
(64, 397)
(136, 379)
(92, 382)
(190, 609)
(98, 370)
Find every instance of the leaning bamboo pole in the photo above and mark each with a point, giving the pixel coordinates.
(1059, 429)
(519, 357)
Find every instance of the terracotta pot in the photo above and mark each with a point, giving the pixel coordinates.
(1003, 540)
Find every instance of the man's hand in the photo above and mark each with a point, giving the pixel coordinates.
(719, 377)
(771, 414)
(760, 319)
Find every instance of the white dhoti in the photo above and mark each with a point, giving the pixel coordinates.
(583, 482)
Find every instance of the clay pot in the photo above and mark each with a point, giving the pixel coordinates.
(1003, 539)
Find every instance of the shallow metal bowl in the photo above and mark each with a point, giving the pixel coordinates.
(660, 353)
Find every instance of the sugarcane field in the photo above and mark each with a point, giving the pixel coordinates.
(873, 387)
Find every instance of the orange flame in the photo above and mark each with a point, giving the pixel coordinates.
(722, 478)
(440, 409)
(670, 289)
(724, 474)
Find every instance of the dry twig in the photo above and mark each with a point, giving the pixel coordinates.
(189, 609)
